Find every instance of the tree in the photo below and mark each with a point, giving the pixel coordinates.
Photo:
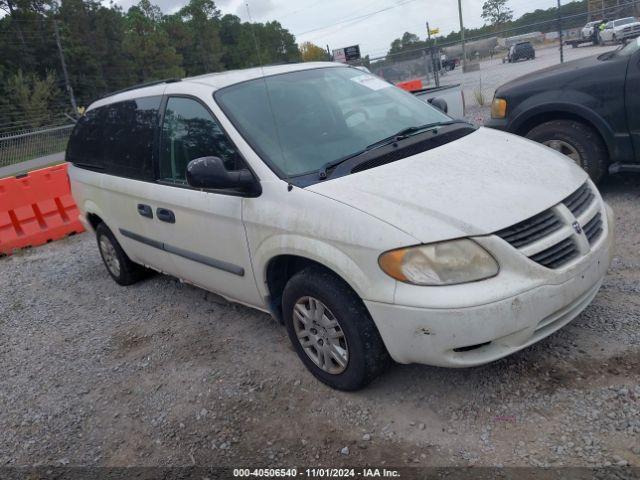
(148, 45)
(198, 26)
(107, 49)
(496, 12)
(408, 41)
(312, 53)
(28, 98)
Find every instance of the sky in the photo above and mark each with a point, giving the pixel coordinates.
(372, 24)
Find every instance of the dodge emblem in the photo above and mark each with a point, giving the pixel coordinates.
(576, 226)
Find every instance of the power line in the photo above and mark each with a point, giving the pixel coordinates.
(359, 18)
(550, 21)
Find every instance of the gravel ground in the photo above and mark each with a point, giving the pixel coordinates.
(162, 373)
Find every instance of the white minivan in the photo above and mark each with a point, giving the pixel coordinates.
(370, 223)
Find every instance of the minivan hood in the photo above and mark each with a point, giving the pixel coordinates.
(481, 183)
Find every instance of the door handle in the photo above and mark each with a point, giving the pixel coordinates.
(165, 215)
(145, 210)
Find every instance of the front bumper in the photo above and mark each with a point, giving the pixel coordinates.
(629, 35)
(479, 334)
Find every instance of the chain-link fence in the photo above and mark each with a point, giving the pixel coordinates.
(486, 55)
(16, 147)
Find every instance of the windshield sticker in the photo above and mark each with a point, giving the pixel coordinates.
(369, 81)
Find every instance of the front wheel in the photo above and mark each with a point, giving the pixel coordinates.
(577, 141)
(331, 330)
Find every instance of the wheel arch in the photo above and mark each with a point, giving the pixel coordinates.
(525, 123)
(280, 270)
(290, 254)
(93, 214)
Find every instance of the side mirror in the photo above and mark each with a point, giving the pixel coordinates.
(439, 103)
(210, 172)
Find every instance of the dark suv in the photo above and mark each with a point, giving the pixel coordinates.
(586, 109)
(520, 51)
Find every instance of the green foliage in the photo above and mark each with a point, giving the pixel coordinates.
(28, 98)
(107, 49)
(312, 53)
(496, 12)
(147, 44)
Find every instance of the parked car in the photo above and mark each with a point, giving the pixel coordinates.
(520, 51)
(447, 63)
(586, 109)
(620, 30)
(370, 223)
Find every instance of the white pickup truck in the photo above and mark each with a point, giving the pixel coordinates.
(620, 30)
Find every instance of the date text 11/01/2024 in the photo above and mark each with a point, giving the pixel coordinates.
(316, 472)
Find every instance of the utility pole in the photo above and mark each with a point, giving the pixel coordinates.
(464, 47)
(560, 33)
(64, 69)
(329, 53)
(434, 67)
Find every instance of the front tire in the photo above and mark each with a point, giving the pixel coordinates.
(120, 267)
(578, 141)
(332, 331)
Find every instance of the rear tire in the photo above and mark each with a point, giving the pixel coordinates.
(120, 267)
(589, 151)
(342, 321)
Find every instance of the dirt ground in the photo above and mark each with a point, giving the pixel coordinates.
(162, 373)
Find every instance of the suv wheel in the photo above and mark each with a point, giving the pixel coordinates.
(332, 331)
(120, 267)
(576, 140)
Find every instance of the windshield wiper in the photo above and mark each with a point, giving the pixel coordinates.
(401, 135)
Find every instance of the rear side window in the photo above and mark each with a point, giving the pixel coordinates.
(118, 138)
(85, 143)
(129, 131)
(189, 131)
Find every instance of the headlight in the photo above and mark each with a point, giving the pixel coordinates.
(444, 263)
(499, 108)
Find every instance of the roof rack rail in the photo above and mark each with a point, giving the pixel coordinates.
(142, 85)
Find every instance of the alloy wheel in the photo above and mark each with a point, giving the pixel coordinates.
(564, 148)
(110, 256)
(320, 335)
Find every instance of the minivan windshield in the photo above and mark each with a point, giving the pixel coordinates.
(301, 121)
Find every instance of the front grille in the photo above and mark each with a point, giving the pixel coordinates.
(593, 229)
(530, 230)
(552, 238)
(558, 255)
(579, 200)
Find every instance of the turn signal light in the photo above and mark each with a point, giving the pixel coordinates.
(499, 108)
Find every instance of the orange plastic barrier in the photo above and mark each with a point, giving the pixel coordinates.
(410, 85)
(36, 208)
